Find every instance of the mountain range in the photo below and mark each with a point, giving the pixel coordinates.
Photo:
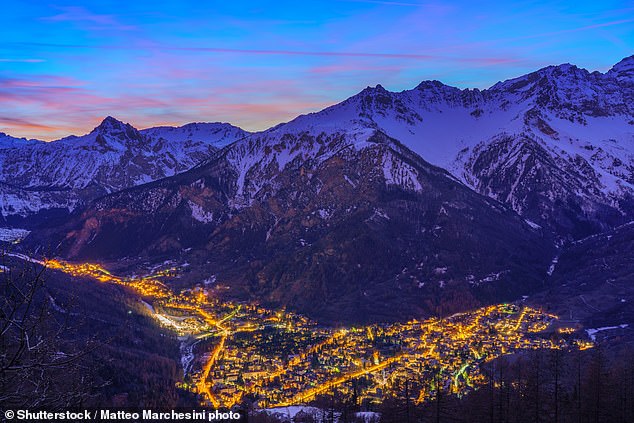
(382, 207)
(43, 179)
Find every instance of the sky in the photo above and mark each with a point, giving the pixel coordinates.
(64, 65)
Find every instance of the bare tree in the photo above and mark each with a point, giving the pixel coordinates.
(40, 366)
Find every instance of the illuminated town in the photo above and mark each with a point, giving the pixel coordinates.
(233, 351)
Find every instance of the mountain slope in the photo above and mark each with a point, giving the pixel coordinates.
(338, 213)
(63, 174)
(343, 227)
(519, 140)
(591, 283)
(215, 134)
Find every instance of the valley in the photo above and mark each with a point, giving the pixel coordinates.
(278, 358)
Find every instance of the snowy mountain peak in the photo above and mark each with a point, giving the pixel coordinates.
(216, 134)
(624, 69)
(559, 123)
(545, 79)
(379, 87)
(72, 171)
(429, 84)
(372, 91)
(566, 68)
(110, 123)
(117, 128)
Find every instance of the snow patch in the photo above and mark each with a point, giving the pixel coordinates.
(532, 224)
(211, 280)
(56, 306)
(440, 270)
(491, 277)
(200, 214)
(400, 174)
(368, 416)
(553, 265)
(324, 214)
(592, 333)
(148, 306)
(187, 355)
(12, 234)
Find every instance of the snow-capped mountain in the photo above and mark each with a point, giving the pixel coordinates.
(329, 224)
(351, 205)
(37, 176)
(7, 141)
(556, 145)
(216, 134)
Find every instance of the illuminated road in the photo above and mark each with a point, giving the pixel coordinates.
(150, 287)
(312, 393)
(202, 386)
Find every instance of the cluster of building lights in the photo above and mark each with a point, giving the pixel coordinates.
(279, 358)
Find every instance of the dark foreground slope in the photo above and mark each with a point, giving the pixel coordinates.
(83, 344)
(593, 283)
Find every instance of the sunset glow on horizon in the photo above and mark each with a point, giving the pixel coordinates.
(64, 66)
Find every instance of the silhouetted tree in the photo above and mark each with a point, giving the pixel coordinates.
(38, 368)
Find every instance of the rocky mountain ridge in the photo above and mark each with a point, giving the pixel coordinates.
(518, 140)
(40, 177)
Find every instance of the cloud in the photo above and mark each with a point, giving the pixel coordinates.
(88, 20)
(570, 30)
(280, 52)
(66, 105)
(8, 60)
(18, 123)
(339, 68)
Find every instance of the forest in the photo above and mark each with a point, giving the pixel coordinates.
(87, 345)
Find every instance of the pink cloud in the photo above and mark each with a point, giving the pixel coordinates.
(337, 68)
(18, 123)
(66, 105)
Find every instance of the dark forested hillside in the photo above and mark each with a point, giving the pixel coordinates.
(69, 341)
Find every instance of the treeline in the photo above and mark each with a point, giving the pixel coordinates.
(592, 386)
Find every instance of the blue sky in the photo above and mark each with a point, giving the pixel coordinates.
(66, 65)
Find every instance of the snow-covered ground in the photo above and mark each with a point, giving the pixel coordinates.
(287, 414)
(592, 333)
(553, 265)
(12, 234)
